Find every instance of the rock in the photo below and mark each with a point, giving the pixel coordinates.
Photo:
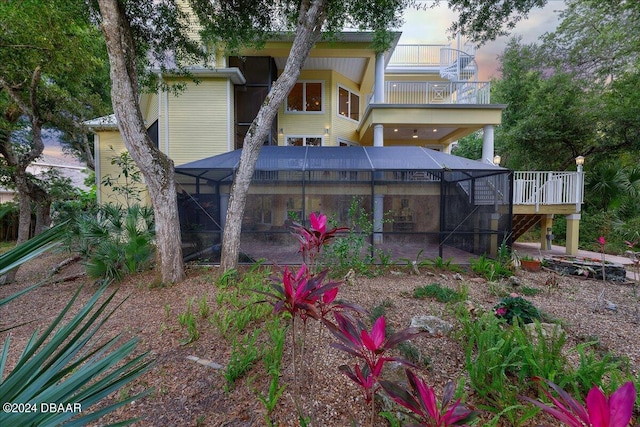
(444, 276)
(414, 266)
(514, 281)
(472, 308)
(458, 276)
(431, 324)
(610, 306)
(205, 362)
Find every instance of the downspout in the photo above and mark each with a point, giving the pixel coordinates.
(165, 100)
(98, 169)
(442, 214)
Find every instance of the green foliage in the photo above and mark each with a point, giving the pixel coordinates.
(500, 360)
(489, 268)
(352, 251)
(482, 20)
(239, 318)
(203, 307)
(68, 362)
(128, 182)
(529, 291)
(238, 301)
(469, 147)
(53, 54)
(116, 241)
(32, 248)
(512, 307)
(439, 293)
(593, 369)
(188, 320)
(83, 202)
(244, 354)
(272, 358)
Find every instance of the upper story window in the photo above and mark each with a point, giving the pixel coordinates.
(348, 104)
(301, 141)
(305, 97)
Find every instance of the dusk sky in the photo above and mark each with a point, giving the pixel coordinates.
(429, 27)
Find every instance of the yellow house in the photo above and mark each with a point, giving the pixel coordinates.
(347, 95)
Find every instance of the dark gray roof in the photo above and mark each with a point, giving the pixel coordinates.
(403, 158)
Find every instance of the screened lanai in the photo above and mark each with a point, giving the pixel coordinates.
(415, 200)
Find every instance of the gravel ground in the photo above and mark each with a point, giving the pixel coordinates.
(188, 393)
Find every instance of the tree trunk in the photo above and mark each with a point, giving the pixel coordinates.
(86, 145)
(19, 161)
(42, 208)
(24, 217)
(157, 168)
(308, 32)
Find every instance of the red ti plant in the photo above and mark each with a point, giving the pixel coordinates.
(602, 242)
(369, 348)
(600, 411)
(314, 237)
(421, 400)
(303, 294)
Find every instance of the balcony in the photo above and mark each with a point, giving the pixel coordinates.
(437, 92)
(539, 189)
(416, 56)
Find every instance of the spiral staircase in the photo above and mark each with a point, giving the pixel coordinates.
(460, 68)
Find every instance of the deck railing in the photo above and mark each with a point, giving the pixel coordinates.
(416, 55)
(548, 188)
(437, 92)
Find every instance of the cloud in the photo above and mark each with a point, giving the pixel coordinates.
(430, 27)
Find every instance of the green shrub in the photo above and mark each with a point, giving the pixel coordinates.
(68, 362)
(489, 268)
(515, 306)
(437, 292)
(353, 250)
(117, 241)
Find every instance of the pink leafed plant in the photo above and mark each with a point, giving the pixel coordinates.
(370, 348)
(303, 294)
(600, 411)
(421, 400)
(313, 238)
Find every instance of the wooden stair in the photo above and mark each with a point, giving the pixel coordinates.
(522, 223)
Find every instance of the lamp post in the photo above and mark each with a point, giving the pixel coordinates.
(579, 183)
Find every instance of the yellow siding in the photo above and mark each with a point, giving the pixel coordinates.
(107, 141)
(150, 109)
(342, 127)
(300, 124)
(308, 124)
(198, 124)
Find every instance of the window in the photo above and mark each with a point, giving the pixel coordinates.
(348, 104)
(152, 131)
(305, 97)
(300, 141)
(346, 143)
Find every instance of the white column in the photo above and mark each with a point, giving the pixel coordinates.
(573, 234)
(378, 98)
(224, 204)
(378, 213)
(378, 86)
(378, 135)
(487, 144)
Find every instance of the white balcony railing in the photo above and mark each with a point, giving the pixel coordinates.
(416, 55)
(548, 188)
(440, 92)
